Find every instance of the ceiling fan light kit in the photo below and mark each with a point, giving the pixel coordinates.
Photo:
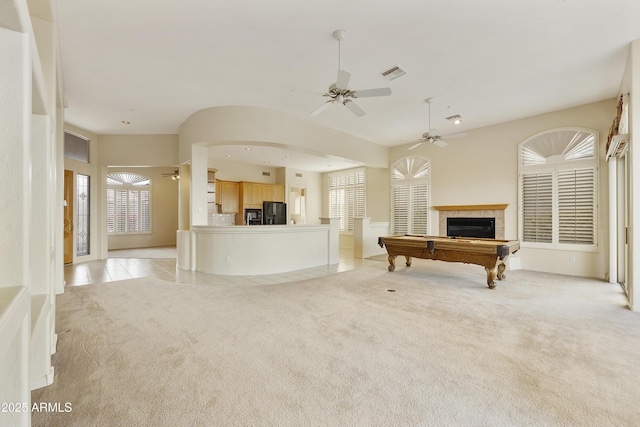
(339, 91)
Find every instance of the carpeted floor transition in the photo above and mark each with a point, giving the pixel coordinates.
(442, 350)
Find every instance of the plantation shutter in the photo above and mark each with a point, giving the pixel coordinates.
(121, 211)
(576, 206)
(419, 208)
(133, 210)
(111, 210)
(347, 198)
(537, 208)
(145, 210)
(400, 209)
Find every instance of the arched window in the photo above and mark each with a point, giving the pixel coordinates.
(558, 181)
(410, 196)
(128, 203)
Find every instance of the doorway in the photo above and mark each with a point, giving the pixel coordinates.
(298, 205)
(67, 217)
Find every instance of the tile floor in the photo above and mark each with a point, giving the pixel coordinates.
(113, 269)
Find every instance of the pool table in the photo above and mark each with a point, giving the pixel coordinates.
(490, 253)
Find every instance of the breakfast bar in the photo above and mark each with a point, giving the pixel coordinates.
(263, 249)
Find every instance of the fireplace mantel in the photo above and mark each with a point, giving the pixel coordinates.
(479, 211)
(495, 207)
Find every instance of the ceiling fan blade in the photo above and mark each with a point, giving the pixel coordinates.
(342, 81)
(354, 108)
(455, 135)
(439, 143)
(321, 108)
(382, 91)
(416, 145)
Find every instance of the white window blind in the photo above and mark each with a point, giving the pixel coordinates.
(128, 205)
(121, 211)
(347, 198)
(419, 208)
(410, 196)
(400, 209)
(576, 206)
(558, 190)
(537, 208)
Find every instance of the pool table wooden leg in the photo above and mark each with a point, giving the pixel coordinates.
(491, 277)
(392, 262)
(408, 258)
(501, 267)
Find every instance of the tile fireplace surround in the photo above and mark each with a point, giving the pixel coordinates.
(472, 211)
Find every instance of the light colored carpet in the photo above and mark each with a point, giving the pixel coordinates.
(155, 252)
(442, 350)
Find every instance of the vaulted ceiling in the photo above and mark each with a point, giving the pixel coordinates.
(153, 63)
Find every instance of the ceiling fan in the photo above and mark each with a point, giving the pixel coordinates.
(175, 175)
(339, 91)
(432, 136)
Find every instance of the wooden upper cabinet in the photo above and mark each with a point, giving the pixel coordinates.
(257, 194)
(278, 193)
(227, 193)
(246, 190)
(267, 193)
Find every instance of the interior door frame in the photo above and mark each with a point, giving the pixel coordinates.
(67, 216)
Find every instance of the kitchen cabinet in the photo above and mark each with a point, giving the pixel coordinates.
(267, 193)
(278, 193)
(252, 194)
(227, 196)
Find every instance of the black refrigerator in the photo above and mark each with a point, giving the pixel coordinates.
(274, 213)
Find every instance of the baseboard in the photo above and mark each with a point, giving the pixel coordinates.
(42, 381)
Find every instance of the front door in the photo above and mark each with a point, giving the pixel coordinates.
(68, 217)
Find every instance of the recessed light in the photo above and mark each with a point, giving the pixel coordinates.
(287, 157)
(126, 122)
(329, 166)
(267, 162)
(229, 156)
(248, 149)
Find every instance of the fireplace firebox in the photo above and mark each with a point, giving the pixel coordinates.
(471, 227)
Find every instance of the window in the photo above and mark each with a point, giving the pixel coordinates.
(557, 182)
(82, 222)
(76, 147)
(410, 196)
(128, 203)
(347, 197)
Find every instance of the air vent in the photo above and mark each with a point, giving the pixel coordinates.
(393, 72)
(266, 173)
(298, 175)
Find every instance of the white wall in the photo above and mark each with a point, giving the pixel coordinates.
(378, 194)
(482, 169)
(138, 150)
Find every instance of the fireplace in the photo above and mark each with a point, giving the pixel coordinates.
(492, 211)
(471, 227)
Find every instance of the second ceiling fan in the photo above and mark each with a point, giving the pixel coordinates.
(432, 136)
(339, 91)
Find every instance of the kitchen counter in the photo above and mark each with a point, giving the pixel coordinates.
(263, 249)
